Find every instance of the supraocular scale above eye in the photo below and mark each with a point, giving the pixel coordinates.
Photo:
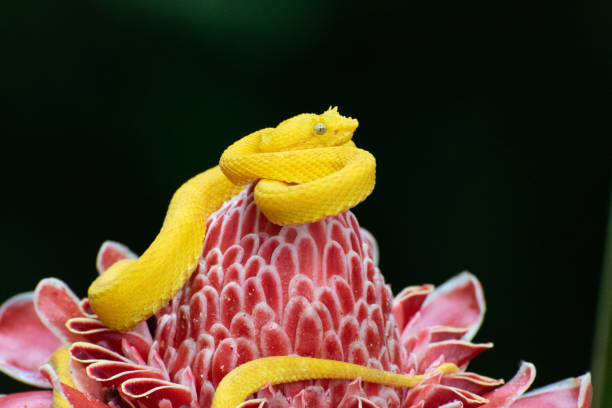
(319, 128)
(302, 132)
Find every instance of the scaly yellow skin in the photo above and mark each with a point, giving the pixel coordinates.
(248, 378)
(60, 363)
(303, 176)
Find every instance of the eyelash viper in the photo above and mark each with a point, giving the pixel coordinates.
(306, 168)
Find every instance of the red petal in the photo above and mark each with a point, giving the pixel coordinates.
(111, 252)
(370, 337)
(505, 395)
(243, 326)
(231, 302)
(253, 266)
(246, 350)
(230, 229)
(56, 304)
(356, 275)
(293, 311)
(253, 294)
(262, 315)
(348, 332)
(457, 303)
(231, 256)
(113, 373)
(329, 298)
(307, 257)
(354, 392)
(267, 249)
(309, 334)
(339, 234)
(454, 351)
(92, 330)
(345, 294)
(366, 403)
(301, 285)
(334, 261)
(443, 333)
(32, 399)
(272, 289)
(434, 395)
(84, 352)
(213, 233)
(153, 390)
(471, 382)
(224, 359)
(284, 259)
(274, 340)
(332, 349)
(569, 393)
(81, 380)
(249, 244)
(408, 302)
(25, 343)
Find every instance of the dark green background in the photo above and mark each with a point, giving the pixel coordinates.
(489, 121)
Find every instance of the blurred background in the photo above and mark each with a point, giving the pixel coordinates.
(489, 120)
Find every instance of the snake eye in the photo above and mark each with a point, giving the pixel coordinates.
(319, 128)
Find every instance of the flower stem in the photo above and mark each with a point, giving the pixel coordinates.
(602, 350)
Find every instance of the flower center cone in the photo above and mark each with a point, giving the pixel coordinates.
(263, 290)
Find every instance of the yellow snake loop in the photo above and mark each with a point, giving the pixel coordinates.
(249, 377)
(60, 361)
(306, 168)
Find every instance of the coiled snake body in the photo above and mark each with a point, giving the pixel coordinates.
(306, 168)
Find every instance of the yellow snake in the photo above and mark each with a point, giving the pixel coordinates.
(249, 377)
(306, 168)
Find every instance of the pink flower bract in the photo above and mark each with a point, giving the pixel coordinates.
(263, 290)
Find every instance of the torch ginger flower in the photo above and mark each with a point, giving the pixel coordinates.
(262, 290)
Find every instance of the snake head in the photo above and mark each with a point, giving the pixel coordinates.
(309, 130)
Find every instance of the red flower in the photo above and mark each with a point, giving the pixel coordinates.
(263, 290)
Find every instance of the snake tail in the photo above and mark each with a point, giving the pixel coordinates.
(248, 378)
